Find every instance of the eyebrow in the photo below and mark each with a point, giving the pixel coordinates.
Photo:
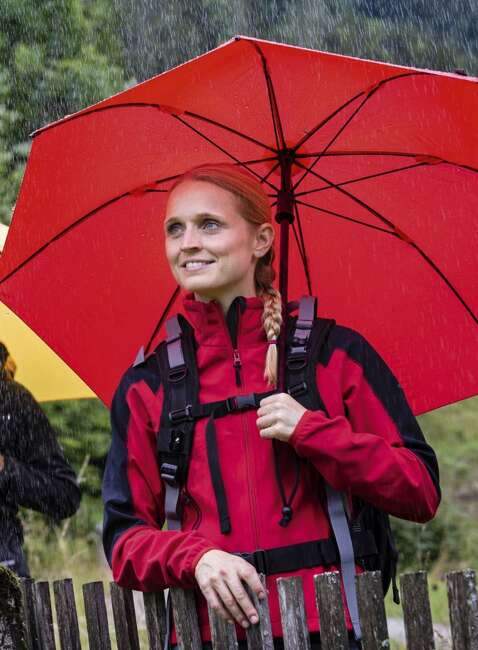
(197, 217)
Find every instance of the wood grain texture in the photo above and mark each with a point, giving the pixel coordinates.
(463, 608)
(96, 616)
(417, 615)
(185, 619)
(66, 617)
(292, 611)
(124, 617)
(333, 631)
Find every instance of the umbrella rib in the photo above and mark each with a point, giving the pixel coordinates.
(332, 213)
(361, 178)
(163, 317)
(304, 257)
(369, 92)
(156, 106)
(400, 235)
(230, 129)
(389, 154)
(341, 130)
(91, 213)
(276, 121)
(230, 155)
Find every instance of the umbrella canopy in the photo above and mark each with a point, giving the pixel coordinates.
(39, 368)
(383, 164)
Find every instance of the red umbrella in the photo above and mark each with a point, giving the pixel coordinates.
(383, 165)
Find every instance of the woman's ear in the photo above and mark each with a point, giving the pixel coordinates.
(264, 238)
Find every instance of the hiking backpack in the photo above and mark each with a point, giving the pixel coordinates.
(366, 539)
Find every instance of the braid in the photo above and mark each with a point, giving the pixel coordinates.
(272, 322)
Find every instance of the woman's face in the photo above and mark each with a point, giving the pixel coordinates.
(211, 249)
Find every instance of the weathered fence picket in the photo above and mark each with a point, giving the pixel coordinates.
(35, 610)
(292, 611)
(155, 613)
(373, 619)
(124, 617)
(417, 614)
(27, 587)
(329, 604)
(96, 616)
(66, 617)
(461, 587)
(223, 634)
(185, 619)
(44, 616)
(259, 637)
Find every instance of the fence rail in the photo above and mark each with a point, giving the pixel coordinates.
(27, 622)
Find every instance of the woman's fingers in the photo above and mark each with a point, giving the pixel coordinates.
(232, 602)
(215, 603)
(242, 597)
(219, 576)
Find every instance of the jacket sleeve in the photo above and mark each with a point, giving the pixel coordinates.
(142, 555)
(40, 478)
(377, 451)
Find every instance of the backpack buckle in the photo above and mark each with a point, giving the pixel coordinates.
(177, 374)
(231, 404)
(297, 389)
(169, 473)
(181, 415)
(297, 360)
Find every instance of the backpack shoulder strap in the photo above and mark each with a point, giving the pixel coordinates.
(308, 337)
(178, 368)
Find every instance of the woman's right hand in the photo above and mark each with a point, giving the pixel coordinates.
(220, 577)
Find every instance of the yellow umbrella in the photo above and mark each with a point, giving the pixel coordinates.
(38, 367)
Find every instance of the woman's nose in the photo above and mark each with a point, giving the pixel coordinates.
(190, 238)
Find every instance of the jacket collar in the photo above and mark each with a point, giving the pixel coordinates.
(210, 326)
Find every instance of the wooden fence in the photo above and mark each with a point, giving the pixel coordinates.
(27, 620)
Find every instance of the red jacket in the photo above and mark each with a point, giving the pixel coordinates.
(371, 446)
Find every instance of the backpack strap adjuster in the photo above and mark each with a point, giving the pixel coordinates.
(298, 389)
(169, 473)
(181, 415)
(177, 374)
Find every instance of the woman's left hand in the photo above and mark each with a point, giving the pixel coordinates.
(278, 416)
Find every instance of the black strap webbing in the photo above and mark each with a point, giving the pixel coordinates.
(321, 552)
(216, 476)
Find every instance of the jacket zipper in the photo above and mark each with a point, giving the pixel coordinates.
(232, 324)
(236, 357)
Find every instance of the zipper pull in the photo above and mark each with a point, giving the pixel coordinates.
(237, 366)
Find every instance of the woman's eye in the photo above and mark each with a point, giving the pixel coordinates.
(173, 229)
(210, 224)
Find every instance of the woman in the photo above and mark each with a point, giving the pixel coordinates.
(219, 244)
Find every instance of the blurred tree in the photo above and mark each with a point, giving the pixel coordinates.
(56, 56)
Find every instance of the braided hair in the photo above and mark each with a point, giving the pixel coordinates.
(255, 208)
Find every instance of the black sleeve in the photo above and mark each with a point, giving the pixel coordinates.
(40, 478)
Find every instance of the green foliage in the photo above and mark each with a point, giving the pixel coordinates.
(84, 433)
(56, 56)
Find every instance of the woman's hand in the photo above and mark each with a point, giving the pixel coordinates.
(278, 416)
(220, 576)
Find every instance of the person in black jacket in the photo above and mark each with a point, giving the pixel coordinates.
(34, 472)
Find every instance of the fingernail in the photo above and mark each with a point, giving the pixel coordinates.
(261, 595)
(254, 619)
(245, 624)
(230, 621)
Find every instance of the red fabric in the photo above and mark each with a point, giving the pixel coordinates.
(363, 453)
(87, 215)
